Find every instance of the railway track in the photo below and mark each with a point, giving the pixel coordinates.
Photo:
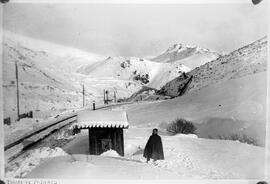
(19, 145)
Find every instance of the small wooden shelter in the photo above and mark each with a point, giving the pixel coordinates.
(105, 130)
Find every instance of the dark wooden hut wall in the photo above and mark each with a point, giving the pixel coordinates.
(97, 134)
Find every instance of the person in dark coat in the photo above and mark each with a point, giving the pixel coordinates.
(153, 148)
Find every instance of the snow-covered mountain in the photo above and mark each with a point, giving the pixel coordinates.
(226, 97)
(50, 55)
(244, 61)
(50, 75)
(46, 81)
(142, 71)
(190, 56)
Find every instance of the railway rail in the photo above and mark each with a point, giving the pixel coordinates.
(18, 145)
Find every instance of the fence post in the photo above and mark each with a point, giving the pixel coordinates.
(30, 114)
(7, 121)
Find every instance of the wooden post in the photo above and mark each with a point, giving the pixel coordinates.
(7, 121)
(89, 134)
(94, 105)
(92, 142)
(115, 146)
(17, 82)
(122, 142)
(95, 144)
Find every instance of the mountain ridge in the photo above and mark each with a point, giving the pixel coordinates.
(145, 72)
(189, 55)
(246, 60)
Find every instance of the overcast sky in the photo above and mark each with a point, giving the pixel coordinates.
(138, 30)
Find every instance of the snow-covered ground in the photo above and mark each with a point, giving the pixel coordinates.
(23, 126)
(32, 159)
(186, 157)
(26, 125)
(236, 106)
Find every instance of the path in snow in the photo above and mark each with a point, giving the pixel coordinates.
(186, 157)
(98, 167)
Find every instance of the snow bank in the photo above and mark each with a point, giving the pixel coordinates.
(110, 153)
(186, 135)
(186, 157)
(33, 159)
(67, 135)
(131, 149)
(48, 152)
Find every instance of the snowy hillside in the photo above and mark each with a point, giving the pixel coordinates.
(50, 55)
(190, 56)
(139, 70)
(245, 61)
(236, 106)
(50, 76)
(226, 97)
(46, 83)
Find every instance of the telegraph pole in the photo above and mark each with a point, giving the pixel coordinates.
(83, 95)
(17, 84)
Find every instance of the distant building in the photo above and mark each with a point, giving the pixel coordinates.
(105, 130)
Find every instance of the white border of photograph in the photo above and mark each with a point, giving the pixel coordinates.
(36, 181)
